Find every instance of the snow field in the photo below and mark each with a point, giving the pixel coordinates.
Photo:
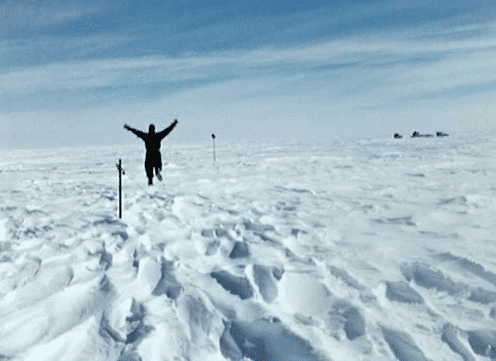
(366, 250)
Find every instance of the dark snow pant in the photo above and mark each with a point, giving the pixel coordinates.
(152, 161)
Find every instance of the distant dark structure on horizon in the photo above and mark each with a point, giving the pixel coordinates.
(418, 135)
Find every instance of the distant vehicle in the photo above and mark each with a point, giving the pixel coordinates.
(397, 136)
(441, 134)
(418, 135)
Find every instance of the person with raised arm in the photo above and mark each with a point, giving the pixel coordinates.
(153, 159)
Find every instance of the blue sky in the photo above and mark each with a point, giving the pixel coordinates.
(73, 72)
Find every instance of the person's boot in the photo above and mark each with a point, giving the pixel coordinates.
(159, 176)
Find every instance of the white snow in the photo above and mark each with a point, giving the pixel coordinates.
(376, 249)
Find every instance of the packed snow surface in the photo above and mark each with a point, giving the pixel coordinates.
(368, 250)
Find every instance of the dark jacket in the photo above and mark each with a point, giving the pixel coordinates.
(152, 140)
(152, 143)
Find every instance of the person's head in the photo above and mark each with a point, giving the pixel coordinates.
(151, 129)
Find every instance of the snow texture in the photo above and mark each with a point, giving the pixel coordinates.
(369, 250)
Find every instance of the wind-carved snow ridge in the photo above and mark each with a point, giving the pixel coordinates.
(137, 329)
(402, 292)
(240, 250)
(235, 284)
(265, 340)
(450, 336)
(167, 283)
(266, 281)
(428, 278)
(403, 346)
(373, 250)
(469, 266)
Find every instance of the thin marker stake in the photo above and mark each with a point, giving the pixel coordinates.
(119, 167)
(213, 137)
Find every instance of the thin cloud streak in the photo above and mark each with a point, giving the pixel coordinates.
(19, 15)
(459, 59)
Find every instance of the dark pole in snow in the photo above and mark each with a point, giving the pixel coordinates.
(213, 137)
(119, 166)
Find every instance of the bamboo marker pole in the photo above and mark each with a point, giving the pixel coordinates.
(119, 167)
(213, 137)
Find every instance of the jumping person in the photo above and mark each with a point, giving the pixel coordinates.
(152, 140)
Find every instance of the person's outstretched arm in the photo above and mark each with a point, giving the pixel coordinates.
(166, 131)
(139, 133)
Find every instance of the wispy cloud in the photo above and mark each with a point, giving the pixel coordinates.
(15, 15)
(400, 62)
